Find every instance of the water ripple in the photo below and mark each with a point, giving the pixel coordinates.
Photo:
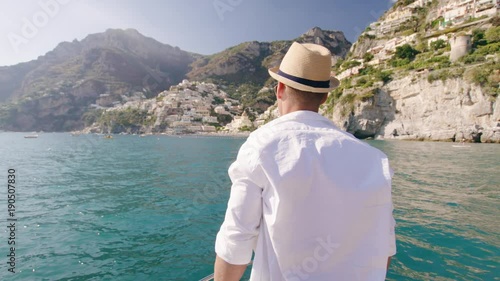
(148, 208)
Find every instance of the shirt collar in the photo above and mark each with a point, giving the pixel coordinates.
(301, 115)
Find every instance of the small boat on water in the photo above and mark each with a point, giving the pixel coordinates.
(461, 146)
(34, 136)
(108, 136)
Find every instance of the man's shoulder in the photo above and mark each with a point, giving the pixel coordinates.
(315, 127)
(297, 119)
(295, 124)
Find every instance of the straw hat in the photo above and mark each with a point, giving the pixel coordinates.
(306, 67)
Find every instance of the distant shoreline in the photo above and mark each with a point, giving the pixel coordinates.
(76, 133)
(241, 135)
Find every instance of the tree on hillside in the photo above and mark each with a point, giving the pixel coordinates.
(438, 44)
(368, 57)
(406, 52)
(478, 38)
(495, 21)
(493, 34)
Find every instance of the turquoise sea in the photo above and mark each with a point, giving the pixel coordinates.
(132, 208)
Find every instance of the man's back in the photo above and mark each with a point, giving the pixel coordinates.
(311, 201)
(324, 199)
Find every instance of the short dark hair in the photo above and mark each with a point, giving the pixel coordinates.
(306, 98)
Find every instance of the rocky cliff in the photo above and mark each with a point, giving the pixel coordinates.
(416, 109)
(427, 70)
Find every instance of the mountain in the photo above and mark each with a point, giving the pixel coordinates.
(254, 58)
(243, 68)
(104, 70)
(52, 92)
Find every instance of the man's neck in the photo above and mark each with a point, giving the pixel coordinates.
(285, 111)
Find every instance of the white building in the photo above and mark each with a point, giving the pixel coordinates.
(195, 128)
(208, 129)
(399, 14)
(210, 119)
(419, 3)
(459, 11)
(385, 51)
(239, 122)
(172, 118)
(220, 110)
(349, 72)
(186, 118)
(203, 111)
(189, 112)
(180, 124)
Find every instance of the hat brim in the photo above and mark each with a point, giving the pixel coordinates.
(334, 83)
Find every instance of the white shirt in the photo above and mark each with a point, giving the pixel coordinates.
(312, 202)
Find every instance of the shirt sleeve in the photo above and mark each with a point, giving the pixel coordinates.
(392, 228)
(392, 237)
(238, 234)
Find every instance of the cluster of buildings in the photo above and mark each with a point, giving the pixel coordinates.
(189, 107)
(395, 18)
(458, 11)
(454, 12)
(240, 122)
(381, 53)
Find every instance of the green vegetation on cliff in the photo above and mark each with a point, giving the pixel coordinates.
(487, 76)
(418, 48)
(129, 120)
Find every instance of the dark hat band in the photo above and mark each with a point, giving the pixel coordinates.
(307, 82)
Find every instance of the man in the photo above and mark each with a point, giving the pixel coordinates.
(311, 201)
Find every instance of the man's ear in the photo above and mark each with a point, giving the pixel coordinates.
(323, 100)
(280, 90)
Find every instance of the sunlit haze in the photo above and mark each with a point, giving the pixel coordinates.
(31, 28)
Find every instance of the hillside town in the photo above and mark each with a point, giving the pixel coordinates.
(441, 39)
(189, 107)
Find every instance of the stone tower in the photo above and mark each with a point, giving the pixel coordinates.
(460, 46)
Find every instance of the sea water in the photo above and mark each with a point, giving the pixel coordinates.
(148, 208)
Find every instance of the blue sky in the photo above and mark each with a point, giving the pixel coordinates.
(31, 28)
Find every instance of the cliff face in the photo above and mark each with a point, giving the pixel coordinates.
(412, 108)
(426, 70)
